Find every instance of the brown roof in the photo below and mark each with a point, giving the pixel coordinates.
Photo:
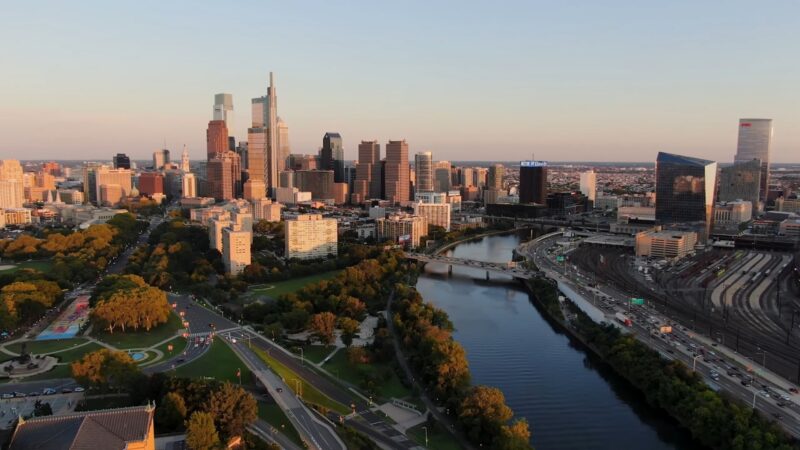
(84, 430)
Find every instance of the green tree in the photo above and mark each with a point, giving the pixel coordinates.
(201, 434)
(323, 326)
(172, 412)
(105, 368)
(349, 329)
(233, 409)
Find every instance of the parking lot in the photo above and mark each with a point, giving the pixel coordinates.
(11, 408)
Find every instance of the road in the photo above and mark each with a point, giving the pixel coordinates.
(681, 344)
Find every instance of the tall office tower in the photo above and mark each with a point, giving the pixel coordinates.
(366, 184)
(479, 176)
(13, 186)
(685, 189)
(121, 161)
(224, 176)
(185, 159)
(533, 182)
(318, 182)
(188, 185)
(151, 183)
(437, 214)
(755, 136)
(223, 110)
(160, 158)
(495, 177)
(441, 176)
(116, 182)
(236, 249)
(284, 149)
(397, 172)
(262, 139)
(423, 166)
(311, 236)
(741, 181)
(331, 156)
(216, 138)
(588, 184)
(466, 179)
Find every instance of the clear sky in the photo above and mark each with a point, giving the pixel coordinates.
(492, 80)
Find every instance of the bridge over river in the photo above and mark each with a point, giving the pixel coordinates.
(508, 268)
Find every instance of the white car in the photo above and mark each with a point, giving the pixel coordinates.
(78, 389)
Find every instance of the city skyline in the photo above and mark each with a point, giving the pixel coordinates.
(573, 82)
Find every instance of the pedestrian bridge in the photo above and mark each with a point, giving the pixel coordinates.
(507, 268)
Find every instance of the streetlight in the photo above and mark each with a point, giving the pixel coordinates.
(297, 387)
(426, 435)
(694, 362)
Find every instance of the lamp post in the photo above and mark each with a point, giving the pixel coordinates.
(426, 435)
(694, 363)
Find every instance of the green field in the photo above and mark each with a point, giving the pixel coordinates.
(141, 338)
(219, 362)
(42, 347)
(178, 346)
(77, 353)
(41, 266)
(389, 386)
(275, 290)
(437, 438)
(310, 393)
(60, 371)
(274, 415)
(313, 353)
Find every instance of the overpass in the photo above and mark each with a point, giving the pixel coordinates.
(508, 268)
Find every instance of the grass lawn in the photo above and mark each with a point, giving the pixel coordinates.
(276, 289)
(313, 353)
(310, 393)
(141, 338)
(42, 347)
(219, 362)
(274, 415)
(437, 438)
(61, 371)
(41, 266)
(72, 355)
(340, 367)
(178, 346)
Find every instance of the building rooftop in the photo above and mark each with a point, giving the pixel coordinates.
(680, 159)
(107, 429)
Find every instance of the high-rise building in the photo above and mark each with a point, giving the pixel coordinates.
(151, 183)
(223, 110)
(397, 172)
(442, 178)
(741, 181)
(331, 156)
(755, 137)
(685, 189)
(311, 236)
(266, 209)
(437, 214)
(236, 249)
(53, 168)
(121, 161)
(215, 227)
(11, 184)
(106, 176)
(479, 176)
(185, 159)
(216, 138)
(588, 184)
(284, 149)
(423, 166)
(224, 176)
(188, 185)
(366, 186)
(263, 139)
(466, 179)
(160, 158)
(402, 228)
(318, 182)
(495, 177)
(533, 182)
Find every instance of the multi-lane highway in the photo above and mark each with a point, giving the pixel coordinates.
(731, 372)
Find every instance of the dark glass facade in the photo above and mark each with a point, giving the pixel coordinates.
(121, 161)
(533, 182)
(684, 189)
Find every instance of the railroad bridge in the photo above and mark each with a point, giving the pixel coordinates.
(508, 268)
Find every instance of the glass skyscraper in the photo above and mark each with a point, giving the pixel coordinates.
(755, 137)
(533, 182)
(684, 189)
(741, 181)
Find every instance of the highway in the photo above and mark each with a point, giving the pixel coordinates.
(702, 354)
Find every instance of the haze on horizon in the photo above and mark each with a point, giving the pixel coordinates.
(582, 80)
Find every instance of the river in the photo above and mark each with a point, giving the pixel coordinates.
(569, 398)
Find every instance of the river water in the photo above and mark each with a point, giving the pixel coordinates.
(570, 399)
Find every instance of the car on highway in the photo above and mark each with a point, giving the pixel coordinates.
(279, 390)
(7, 396)
(78, 389)
(48, 391)
(19, 394)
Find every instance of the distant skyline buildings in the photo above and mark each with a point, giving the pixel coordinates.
(755, 139)
(263, 138)
(397, 172)
(423, 168)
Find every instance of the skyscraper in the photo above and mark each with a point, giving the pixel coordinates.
(223, 110)
(367, 182)
(185, 159)
(224, 176)
(495, 177)
(533, 182)
(755, 137)
(588, 184)
(397, 172)
(284, 149)
(331, 156)
(121, 161)
(216, 138)
(263, 139)
(685, 189)
(741, 181)
(188, 185)
(12, 191)
(423, 165)
(160, 158)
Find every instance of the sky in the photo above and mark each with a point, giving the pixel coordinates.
(576, 80)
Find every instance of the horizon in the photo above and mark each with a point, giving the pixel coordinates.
(619, 79)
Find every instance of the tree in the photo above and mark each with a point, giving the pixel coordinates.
(144, 307)
(42, 409)
(515, 436)
(172, 413)
(200, 431)
(323, 326)
(483, 412)
(233, 409)
(349, 329)
(105, 368)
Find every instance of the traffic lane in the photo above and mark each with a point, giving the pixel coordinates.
(191, 353)
(198, 316)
